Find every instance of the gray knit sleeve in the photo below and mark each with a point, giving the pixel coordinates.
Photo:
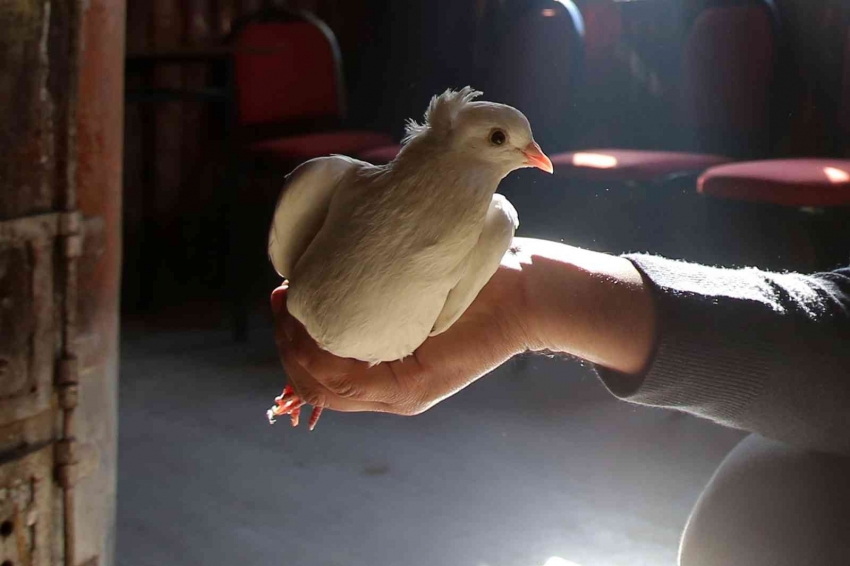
(763, 352)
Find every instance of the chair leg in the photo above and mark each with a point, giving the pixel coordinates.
(247, 233)
(236, 284)
(239, 310)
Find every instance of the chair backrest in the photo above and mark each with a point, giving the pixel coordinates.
(286, 67)
(603, 26)
(603, 80)
(728, 68)
(535, 66)
(844, 110)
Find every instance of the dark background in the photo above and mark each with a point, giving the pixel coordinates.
(396, 54)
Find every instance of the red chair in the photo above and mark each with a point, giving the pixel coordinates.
(727, 69)
(531, 59)
(816, 183)
(536, 65)
(785, 214)
(288, 107)
(605, 78)
(800, 183)
(603, 28)
(822, 184)
(288, 89)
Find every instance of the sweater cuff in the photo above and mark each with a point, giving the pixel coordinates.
(695, 368)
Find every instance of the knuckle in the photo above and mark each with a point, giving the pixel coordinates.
(305, 358)
(314, 398)
(342, 386)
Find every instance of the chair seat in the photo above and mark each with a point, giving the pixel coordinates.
(631, 164)
(308, 146)
(380, 155)
(787, 182)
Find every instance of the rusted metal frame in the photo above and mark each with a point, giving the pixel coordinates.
(39, 233)
(70, 247)
(67, 229)
(69, 239)
(29, 227)
(63, 81)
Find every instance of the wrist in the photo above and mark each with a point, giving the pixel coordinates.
(533, 308)
(511, 311)
(591, 305)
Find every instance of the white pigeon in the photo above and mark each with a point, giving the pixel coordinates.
(379, 258)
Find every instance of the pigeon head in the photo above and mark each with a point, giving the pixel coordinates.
(498, 134)
(495, 134)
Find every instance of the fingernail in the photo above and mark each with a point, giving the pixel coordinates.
(277, 298)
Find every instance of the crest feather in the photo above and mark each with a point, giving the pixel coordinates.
(441, 113)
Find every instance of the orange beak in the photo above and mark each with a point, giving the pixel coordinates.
(535, 157)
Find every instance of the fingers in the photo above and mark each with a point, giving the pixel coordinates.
(306, 350)
(293, 339)
(325, 380)
(315, 393)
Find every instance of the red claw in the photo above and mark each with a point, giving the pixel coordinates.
(289, 403)
(314, 417)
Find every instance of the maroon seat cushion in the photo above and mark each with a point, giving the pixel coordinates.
(788, 182)
(380, 155)
(631, 165)
(308, 146)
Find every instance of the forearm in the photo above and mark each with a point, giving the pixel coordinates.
(764, 352)
(591, 305)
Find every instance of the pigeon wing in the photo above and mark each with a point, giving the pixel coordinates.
(500, 224)
(302, 208)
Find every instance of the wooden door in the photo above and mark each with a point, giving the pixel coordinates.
(58, 279)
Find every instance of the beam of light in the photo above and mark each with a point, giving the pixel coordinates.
(557, 561)
(595, 160)
(836, 175)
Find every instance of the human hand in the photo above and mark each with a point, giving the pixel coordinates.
(491, 331)
(545, 296)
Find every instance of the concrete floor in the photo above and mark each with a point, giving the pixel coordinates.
(533, 461)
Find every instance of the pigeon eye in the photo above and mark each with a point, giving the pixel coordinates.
(498, 137)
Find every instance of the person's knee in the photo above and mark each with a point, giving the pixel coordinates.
(771, 504)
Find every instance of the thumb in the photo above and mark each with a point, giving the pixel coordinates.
(278, 298)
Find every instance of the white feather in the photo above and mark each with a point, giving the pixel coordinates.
(302, 207)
